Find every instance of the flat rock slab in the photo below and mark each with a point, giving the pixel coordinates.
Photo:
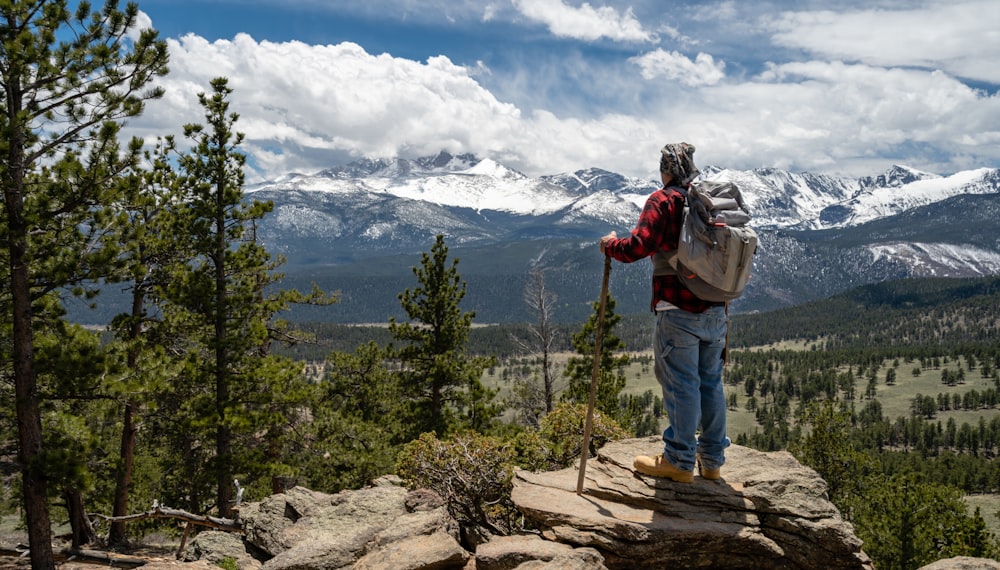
(767, 511)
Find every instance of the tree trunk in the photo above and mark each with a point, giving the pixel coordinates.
(224, 450)
(34, 481)
(97, 557)
(80, 526)
(123, 480)
(29, 423)
(541, 300)
(547, 381)
(224, 436)
(116, 534)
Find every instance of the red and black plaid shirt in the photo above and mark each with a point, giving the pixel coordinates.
(659, 228)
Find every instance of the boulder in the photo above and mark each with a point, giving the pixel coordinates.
(382, 526)
(963, 563)
(526, 552)
(767, 512)
(216, 546)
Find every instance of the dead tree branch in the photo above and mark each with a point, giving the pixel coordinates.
(158, 512)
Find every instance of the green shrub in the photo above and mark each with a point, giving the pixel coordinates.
(474, 473)
(471, 472)
(563, 430)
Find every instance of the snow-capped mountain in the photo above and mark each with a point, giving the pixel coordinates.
(360, 227)
(891, 196)
(457, 182)
(781, 199)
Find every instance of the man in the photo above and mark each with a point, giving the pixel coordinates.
(690, 335)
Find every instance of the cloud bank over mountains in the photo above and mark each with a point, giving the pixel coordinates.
(554, 86)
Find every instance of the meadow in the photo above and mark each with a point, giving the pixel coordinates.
(896, 399)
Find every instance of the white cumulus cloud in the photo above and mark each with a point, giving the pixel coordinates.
(834, 94)
(961, 38)
(585, 22)
(674, 66)
(307, 101)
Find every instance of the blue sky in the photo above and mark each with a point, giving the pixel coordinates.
(552, 86)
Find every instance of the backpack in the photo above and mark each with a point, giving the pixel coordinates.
(715, 251)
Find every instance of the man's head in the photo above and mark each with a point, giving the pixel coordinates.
(677, 161)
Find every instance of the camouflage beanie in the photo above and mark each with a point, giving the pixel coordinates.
(677, 159)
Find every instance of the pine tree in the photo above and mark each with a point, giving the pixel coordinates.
(231, 391)
(829, 450)
(908, 523)
(611, 375)
(73, 367)
(440, 381)
(68, 81)
(357, 425)
(149, 190)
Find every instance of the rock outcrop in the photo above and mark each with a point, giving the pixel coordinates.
(383, 526)
(963, 563)
(767, 512)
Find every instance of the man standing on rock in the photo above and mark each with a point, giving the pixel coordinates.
(690, 336)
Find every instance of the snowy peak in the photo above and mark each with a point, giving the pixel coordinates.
(487, 167)
(782, 199)
(898, 176)
(446, 162)
(894, 196)
(443, 162)
(486, 186)
(462, 181)
(611, 209)
(593, 180)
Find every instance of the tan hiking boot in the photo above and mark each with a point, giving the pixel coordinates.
(659, 467)
(710, 474)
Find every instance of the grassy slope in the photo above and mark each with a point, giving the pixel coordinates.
(890, 303)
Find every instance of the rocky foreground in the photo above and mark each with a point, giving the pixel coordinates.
(768, 512)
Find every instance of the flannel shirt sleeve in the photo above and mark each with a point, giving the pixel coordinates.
(652, 232)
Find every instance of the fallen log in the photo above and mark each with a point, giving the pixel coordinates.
(102, 558)
(19, 550)
(158, 512)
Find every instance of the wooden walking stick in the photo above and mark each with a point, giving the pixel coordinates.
(598, 349)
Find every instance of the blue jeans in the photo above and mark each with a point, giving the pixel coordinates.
(687, 352)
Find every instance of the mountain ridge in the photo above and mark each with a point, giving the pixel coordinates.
(820, 234)
(360, 228)
(776, 198)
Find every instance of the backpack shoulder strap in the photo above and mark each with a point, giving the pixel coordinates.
(665, 262)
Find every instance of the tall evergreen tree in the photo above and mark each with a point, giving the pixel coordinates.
(149, 190)
(231, 392)
(74, 371)
(358, 422)
(611, 375)
(439, 380)
(829, 449)
(68, 80)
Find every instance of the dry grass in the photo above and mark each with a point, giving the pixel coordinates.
(989, 509)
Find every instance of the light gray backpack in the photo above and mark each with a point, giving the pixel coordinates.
(714, 255)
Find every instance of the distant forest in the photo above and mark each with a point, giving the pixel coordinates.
(856, 348)
(910, 313)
